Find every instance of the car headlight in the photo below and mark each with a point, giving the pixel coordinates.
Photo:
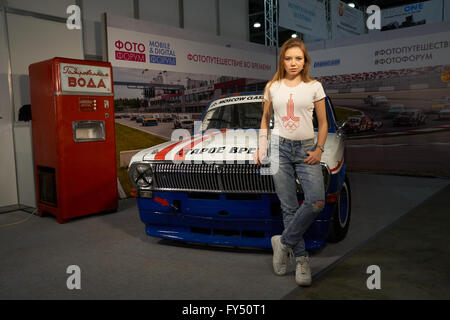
(141, 175)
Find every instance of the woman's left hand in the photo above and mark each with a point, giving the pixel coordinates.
(314, 156)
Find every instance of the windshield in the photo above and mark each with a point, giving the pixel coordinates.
(234, 116)
(241, 116)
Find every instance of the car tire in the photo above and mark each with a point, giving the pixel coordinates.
(340, 220)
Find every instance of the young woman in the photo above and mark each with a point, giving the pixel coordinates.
(292, 95)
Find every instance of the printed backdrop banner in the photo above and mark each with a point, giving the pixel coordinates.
(412, 52)
(411, 15)
(345, 20)
(130, 49)
(304, 16)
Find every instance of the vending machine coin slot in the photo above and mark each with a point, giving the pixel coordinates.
(88, 131)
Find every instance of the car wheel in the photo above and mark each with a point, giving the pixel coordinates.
(340, 221)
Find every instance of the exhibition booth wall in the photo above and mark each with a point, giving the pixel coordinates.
(365, 76)
(30, 37)
(36, 31)
(8, 195)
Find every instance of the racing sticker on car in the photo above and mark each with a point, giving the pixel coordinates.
(181, 157)
(232, 100)
(216, 150)
(161, 201)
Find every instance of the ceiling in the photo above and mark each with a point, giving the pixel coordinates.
(258, 5)
(384, 3)
(256, 13)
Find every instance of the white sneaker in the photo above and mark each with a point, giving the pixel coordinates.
(280, 256)
(303, 271)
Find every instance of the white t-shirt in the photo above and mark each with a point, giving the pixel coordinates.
(293, 108)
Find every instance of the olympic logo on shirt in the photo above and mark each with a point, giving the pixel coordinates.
(290, 121)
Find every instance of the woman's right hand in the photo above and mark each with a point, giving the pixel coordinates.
(261, 153)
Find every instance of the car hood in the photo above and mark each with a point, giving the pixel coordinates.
(228, 145)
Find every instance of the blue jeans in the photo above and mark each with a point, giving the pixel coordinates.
(286, 162)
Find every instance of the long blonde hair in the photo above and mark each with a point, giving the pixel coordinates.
(281, 72)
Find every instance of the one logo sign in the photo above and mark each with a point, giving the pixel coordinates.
(374, 281)
(74, 20)
(374, 19)
(130, 51)
(74, 280)
(162, 53)
(85, 78)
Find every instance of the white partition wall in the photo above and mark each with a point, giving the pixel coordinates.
(33, 39)
(201, 16)
(165, 12)
(228, 18)
(48, 7)
(93, 33)
(37, 31)
(8, 189)
(233, 19)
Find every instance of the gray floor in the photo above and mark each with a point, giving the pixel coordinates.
(119, 261)
(413, 257)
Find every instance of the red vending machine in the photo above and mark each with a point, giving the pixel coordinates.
(74, 146)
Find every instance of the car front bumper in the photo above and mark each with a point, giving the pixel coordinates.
(223, 221)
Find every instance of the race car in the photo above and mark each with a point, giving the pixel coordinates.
(395, 110)
(360, 123)
(183, 124)
(149, 122)
(207, 189)
(376, 101)
(410, 117)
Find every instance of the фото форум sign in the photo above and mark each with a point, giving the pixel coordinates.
(129, 49)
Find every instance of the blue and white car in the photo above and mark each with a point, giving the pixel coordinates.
(207, 189)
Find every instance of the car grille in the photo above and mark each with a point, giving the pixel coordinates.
(229, 178)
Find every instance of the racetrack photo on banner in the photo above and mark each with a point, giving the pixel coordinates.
(392, 94)
(397, 96)
(164, 82)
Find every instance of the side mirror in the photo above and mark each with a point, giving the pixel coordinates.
(340, 128)
(341, 125)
